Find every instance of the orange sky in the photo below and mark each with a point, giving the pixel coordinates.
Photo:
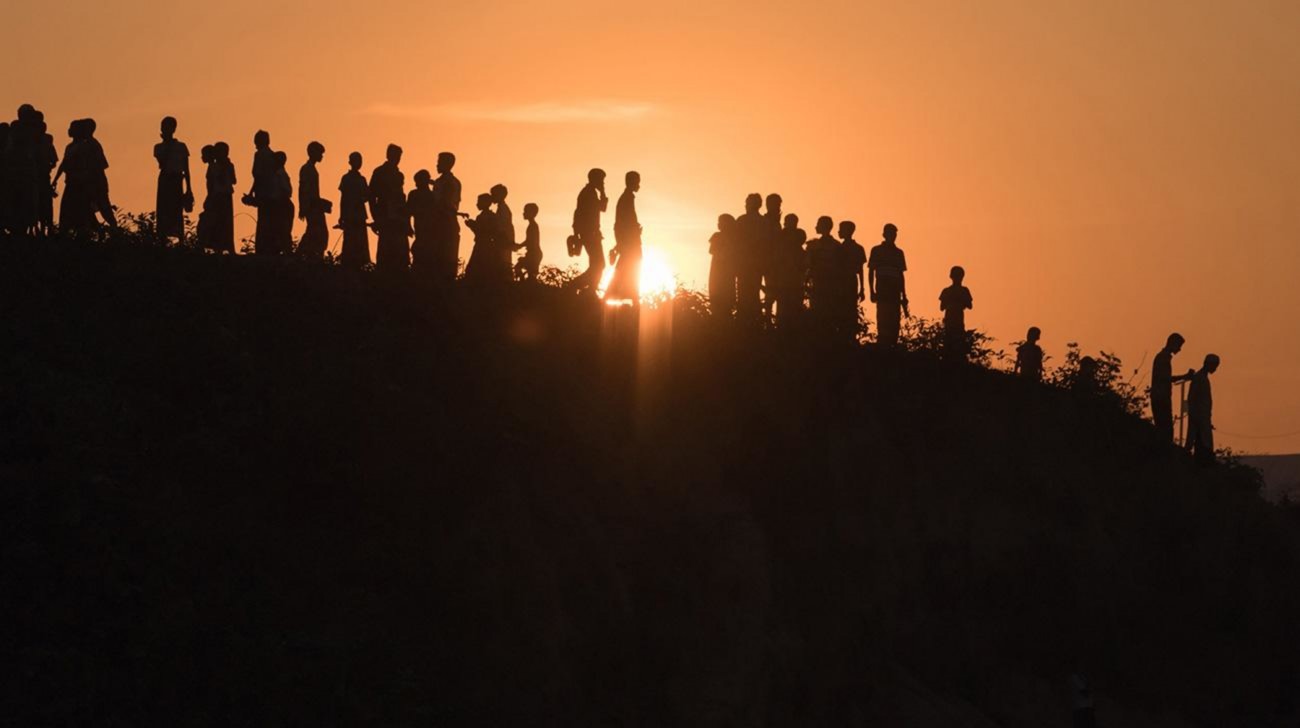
(1109, 171)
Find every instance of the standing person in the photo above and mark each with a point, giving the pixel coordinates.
(886, 271)
(482, 259)
(1162, 386)
(281, 208)
(388, 208)
(823, 271)
(422, 206)
(788, 272)
(219, 206)
(722, 270)
(1200, 406)
(175, 195)
(626, 284)
(527, 267)
(504, 237)
(1029, 357)
(592, 201)
(354, 195)
(953, 301)
(767, 255)
(261, 190)
(98, 169)
(47, 160)
(77, 206)
(203, 229)
(446, 248)
(749, 267)
(852, 285)
(311, 207)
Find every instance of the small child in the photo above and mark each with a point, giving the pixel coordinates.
(953, 301)
(484, 227)
(1029, 357)
(526, 268)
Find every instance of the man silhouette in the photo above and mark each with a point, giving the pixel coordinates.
(768, 256)
(722, 272)
(279, 207)
(484, 260)
(262, 189)
(1200, 405)
(219, 205)
(886, 271)
(99, 171)
(592, 201)
(789, 271)
(625, 285)
(354, 195)
(175, 194)
(446, 242)
(311, 208)
(422, 206)
(1029, 357)
(1162, 386)
(388, 209)
(852, 285)
(504, 237)
(824, 272)
(527, 267)
(749, 267)
(954, 301)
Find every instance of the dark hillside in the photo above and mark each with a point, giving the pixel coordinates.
(244, 491)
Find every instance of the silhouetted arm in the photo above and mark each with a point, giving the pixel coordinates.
(871, 283)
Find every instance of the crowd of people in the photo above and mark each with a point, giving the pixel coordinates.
(764, 269)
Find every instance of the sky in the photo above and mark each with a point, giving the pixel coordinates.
(1108, 171)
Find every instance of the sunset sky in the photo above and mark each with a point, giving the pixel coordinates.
(1109, 171)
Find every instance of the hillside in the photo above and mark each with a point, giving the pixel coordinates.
(250, 491)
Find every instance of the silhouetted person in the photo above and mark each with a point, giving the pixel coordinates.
(1200, 406)
(202, 229)
(722, 268)
(219, 205)
(626, 283)
(528, 266)
(1085, 380)
(388, 208)
(954, 301)
(851, 285)
(504, 238)
(446, 191)
(99, 174)
(261, 191)
(592, 201)
(47, 158)
(77, 205)
(354, 195)
(281, 207)
(312, 208)
(422, 206)
(886, 269)
(1029, 356)
(175, 194)
(1162, 386)
(29, 161)
(767, 255)
(824, 271)
(484, 266)
(749, 259)
(788, 272)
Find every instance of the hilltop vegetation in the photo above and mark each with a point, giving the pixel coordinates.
(251, 491)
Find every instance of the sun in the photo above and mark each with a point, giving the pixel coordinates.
(657, 279)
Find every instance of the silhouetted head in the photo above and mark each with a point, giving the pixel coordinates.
(726, 222)
(168, 127)
(315, 151)
(890, 232)
(499, 193)
(1174, 343)
(824, 225)
(484, 201)
(26, 112)
(774, 204)
(74, 129)
(394, 153)
(957, 274)
(596, 177)
(753, 202)
(354, 161)
(633, 181)
(1033, 335)
(281, 159)
(88, 127)
(262, 139)
(1087, 369)
(847, 228)
(446, 160)
(205, 154)
(221, 150)
(791, 221)
(530, 211)
(423, 178)
(1211, 363)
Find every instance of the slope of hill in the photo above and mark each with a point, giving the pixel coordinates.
(249, 491)
(1281, 475)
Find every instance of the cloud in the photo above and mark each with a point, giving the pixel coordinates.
(544, 112)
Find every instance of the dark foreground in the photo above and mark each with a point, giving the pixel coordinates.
(247, 492)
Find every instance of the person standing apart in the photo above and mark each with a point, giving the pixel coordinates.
(886, 271)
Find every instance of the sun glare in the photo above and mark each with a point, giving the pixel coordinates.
(657, 279)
